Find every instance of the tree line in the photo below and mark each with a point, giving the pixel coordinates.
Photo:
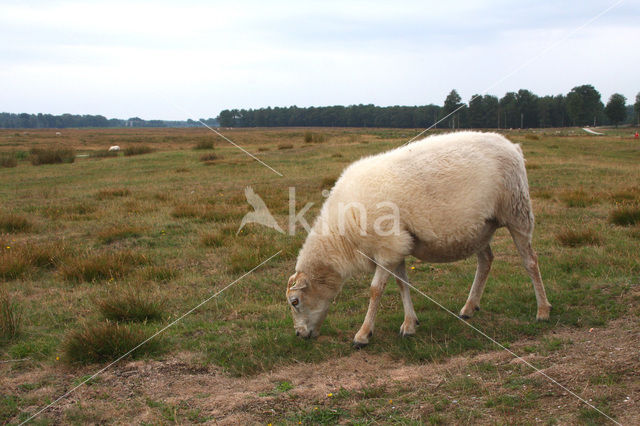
(582, 106)
(49, 121)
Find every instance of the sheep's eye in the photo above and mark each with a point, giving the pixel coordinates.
(294, 302)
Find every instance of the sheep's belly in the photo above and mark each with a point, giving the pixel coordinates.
(451, 250)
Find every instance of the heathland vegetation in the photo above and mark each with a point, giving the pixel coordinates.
(98, 254)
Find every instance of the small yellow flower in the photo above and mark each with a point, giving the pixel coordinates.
(329, 395)
(57, 358)
(315, 408)
(413, 267)
(8, 247)
(391, 401)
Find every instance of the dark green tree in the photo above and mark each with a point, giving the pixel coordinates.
(584, 105)
(509, 115)
(616, 108)
(527, 104)
(452, 108)
(636, 107)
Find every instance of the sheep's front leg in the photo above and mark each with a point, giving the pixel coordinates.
(377, 288)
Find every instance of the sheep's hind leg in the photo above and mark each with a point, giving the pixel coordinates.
(408, 327)
(530, 259)
(377, 288)
(485, 258)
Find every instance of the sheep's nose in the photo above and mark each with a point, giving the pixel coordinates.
(297, 333)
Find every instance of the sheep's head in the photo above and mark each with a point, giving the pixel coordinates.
(309, 299)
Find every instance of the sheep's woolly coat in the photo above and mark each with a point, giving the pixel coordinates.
(447, 189)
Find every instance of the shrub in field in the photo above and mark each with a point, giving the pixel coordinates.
(119, 232)
(9, 316)
(52, 156)
(100, 266)
(8, 160)
(10, 223)
(209, 157)
(285, 146)
(112, 193)
(129, 304)
(106, 341)
(17, 261)
(137, 150)
(204, 144)
(577, 238)
(625, 216)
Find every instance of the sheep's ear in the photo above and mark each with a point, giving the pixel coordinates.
(297, 281)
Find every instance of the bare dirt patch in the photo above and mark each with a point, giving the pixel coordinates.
(601, 365)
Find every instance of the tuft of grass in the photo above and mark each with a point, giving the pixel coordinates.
(8, 160)
(127, 304)
(209, 157)
(17, 261)
(328, 182)
(285, 146)
(160, 274)
(9, 316)
(577, 238)
(52, 156)
(187, 211)
(106, 341)
(311, 137)
(532, 137)
(625, 216)
(212, 239)
(104, 194)
(578, 198)
(101, 266)
(137, 150)
(204, 144)
(119, 232)
(11, 223)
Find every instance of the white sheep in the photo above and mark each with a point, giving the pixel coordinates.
(439, 199)
(114, 148)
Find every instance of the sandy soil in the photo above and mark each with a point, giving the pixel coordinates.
(179, 390)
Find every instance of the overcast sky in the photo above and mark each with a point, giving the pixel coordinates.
(190, 59)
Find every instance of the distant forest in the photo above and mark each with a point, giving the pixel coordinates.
(580, 107)
(46, 121)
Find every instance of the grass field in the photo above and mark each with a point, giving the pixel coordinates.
(99, 253)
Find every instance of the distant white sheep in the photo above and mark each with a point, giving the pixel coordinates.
(114, 148)
(439, 199)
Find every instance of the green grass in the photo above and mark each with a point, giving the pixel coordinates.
(9, 316)
(625, 216)
(75, 228)
(130, 304)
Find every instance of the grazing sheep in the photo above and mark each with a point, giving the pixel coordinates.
(439, 199)
(114, 148)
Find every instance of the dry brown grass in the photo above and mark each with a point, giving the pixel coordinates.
(41, 156)
(119, 232)
(11, 223)
(625, 216)
(285, 146)
(101, 266)
(578, 198)
(104, 194)
(576, 238)
(137, 150)
(209, 157)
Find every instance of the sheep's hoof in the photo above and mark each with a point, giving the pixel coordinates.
(359, 345)
(543, 314)
(408, 328)
(464, 317)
